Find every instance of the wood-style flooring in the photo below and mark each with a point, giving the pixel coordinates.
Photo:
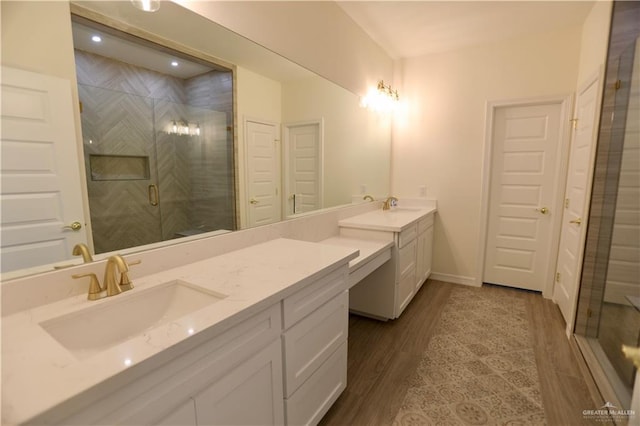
(384, 355)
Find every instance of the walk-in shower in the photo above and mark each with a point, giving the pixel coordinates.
(158, 142)
(609, 303)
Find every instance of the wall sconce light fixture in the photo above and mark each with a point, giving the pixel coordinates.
(381, 99)
(185, 128)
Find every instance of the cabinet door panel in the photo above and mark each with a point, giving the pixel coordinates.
(250, 394)
(314, 398)
(311, 341)
(407, 260)
(405, 291)
(307, 300)
(421, 260)
(183, 415)
(428, 252)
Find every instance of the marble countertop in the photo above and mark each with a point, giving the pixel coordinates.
(395, 220)
(38, 373)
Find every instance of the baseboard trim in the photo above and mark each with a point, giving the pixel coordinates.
(454, 279)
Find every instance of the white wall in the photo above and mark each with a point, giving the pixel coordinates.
(326, 39)
(357, 141)
(439, 143)
(258, 98)
(594, 40)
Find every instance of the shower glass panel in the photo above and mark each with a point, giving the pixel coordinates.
(115, 125)
(611, 312)
(156, 170)
(620, 311)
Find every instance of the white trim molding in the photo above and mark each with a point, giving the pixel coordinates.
(455, 279)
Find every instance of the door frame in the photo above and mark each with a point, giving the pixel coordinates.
(286, 127)
(243, 175)
(566, 107)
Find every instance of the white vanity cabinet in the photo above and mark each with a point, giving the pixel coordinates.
(386, 292)
(284, 365)
(211, 383)
(424, 249)
(316, 322)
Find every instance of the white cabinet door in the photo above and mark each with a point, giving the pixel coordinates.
(421, 259)
(428, 252)
(407, 276)
(249, 394)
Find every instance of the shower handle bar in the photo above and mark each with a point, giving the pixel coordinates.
(153, 194)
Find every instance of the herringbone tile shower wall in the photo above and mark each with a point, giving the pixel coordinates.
(126, 112)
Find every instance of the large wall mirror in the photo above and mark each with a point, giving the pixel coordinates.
(234, 136)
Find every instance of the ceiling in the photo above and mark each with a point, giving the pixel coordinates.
(190, 29)
(415, 28)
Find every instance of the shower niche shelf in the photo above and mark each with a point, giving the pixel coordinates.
(118, 167)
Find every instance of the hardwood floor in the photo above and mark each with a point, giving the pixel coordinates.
(383, 356)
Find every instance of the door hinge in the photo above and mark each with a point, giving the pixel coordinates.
(80, 102)
(566, 203)
(557, 277)
(618, 84)
(575, 123)
(589, 312)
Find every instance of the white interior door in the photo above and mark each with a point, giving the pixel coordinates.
(41, 192)
(263, 174)
(576, 202)
(303, 167)
(526, 147)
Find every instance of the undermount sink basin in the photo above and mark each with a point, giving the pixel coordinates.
(122, 317)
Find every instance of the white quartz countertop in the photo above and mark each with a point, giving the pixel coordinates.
(395, 220)
(368, 249)
(38, 373)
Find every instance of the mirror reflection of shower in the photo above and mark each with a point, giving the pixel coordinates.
(157, 142)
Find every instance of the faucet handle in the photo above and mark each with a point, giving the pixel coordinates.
(125, 282)
(95, 291)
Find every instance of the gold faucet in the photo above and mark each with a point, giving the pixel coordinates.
(388, 203)
(367, 197)
(82, 250)
(125, 282)
(110, 283)
(95, 291)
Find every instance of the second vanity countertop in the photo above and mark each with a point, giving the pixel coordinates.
(38, 373)
(394, 220)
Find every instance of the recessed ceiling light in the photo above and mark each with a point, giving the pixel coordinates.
(174, 63)
(96, 38)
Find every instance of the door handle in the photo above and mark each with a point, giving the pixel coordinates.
(153, 195)
(253, 201)
(543, 210)
(75, 226)
(577, 221)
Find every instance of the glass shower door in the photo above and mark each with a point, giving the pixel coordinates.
(120, 157)
(195, 169)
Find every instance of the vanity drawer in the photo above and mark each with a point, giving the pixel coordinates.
(425, 223)
(311, 341)
(305, 301)
(407, 235)
(314, 398)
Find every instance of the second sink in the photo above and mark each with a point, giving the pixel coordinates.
(97, 328)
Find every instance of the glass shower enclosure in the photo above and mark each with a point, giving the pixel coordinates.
(156, 169)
